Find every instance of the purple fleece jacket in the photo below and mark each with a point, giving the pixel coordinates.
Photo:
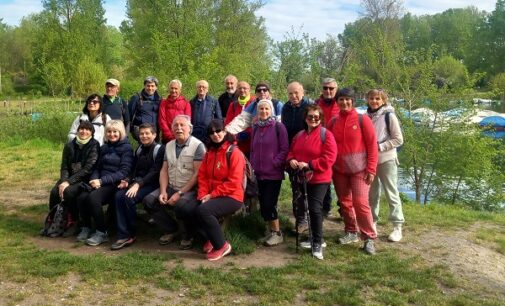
(269, 148)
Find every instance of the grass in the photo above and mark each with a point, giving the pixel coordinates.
(345, 277)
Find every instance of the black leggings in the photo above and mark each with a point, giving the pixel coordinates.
(208, 214)
(90, 206)
(315, 195)
(268, 196)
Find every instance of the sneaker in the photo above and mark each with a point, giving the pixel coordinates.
(167, 238)
(274, 238)
(306, 244)
(97, 238)
(317, 251)
(328, 215)
(396, 235)
(207, 247)
(302, 227)
(369, 247)
(348, 238)
(218, 254)
(186, 244)
(122, 243)
(151, 221)
(83, 234)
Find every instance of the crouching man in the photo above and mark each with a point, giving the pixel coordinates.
(178, 178)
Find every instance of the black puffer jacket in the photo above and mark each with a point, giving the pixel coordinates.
(78, 162)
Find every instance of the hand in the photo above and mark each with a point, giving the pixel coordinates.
(303, 165)
(174, 198)
(62, 188)
(132, 192)
(369, 177)
(122, 185)
(163, 198)
(293, 163)
(95, 183)
(205, 198)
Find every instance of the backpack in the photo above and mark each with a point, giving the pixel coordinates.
(322, 134)
(155, 150)
(250, 183)
(388, 128)
(57, 221)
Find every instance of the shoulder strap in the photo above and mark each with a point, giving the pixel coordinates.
(322, 134)
(155, 151)
(104, 118)
(275, 103)
(386, 118)
(228, 153)
(360, 120)
(331, 122)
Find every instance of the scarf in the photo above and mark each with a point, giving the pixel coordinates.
(265, 122)
(243, 101)
(81, 142)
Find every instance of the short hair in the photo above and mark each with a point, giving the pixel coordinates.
(202, 81)
(175, 81)
(151, 79)
(328, 80)
(312, 107)
(118, 126)
(378, 92)
(148, 126)
(92, 97)
(231, 76)
(85, 124)
(346, 92)
(218, 124)
(295, 83)
(186, 118)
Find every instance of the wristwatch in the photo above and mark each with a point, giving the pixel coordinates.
(180, 193)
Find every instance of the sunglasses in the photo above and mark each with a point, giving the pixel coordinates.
(262, 90)
(313, 117)
(93, 102)
(215, 131)
(328, 88)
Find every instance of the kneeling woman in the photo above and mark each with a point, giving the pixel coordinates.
(220, 188)
(114, 165)
(77, 162)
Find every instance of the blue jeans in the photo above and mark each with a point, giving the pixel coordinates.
(126, 211)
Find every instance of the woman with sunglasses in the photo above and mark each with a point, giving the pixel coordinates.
(220, 187)
(313, 150)
(354, 169)
(91, 112)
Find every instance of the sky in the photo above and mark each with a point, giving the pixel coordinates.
(318, 18)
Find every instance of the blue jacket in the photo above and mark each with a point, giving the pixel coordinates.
(115, 162)
(202, 112)
(292, 117)
(144, 109)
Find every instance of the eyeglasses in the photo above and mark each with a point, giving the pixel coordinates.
(93, 101)
(313, 117)
(215, 132)
(328, 88)
(262, 89)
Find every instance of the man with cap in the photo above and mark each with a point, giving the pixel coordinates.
(225, 99)
(113, 105)
(144, 106)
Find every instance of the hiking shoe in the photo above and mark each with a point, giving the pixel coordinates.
(71, 231)
(348, 238)
(83, 234)
(167, 238)
(302, 227)
(329, 215)
(306, 244)
(97, 238)
(317, 251)
(186, 244)
(121, 243)
(207, 247)
(218, 254)
(369, 247)
(274, 238)
(396, 235)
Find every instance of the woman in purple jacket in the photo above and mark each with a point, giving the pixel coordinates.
(269, 148)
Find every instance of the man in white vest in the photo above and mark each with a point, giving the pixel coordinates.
(178, 178)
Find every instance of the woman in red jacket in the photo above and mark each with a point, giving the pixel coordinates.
(354, 169)
(315, 150)
(220, 187)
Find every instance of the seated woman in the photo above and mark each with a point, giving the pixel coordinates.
(114, 165)
(142, 181)
(220, 188)
(314, 149)
(354, 169)
(269, 148)
(91, 112)
(77, 162)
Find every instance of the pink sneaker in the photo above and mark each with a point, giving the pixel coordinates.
(207, 247)
(218, 254)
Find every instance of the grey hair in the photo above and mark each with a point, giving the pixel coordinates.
(202, 81)
(329, 80)
(231, 76)
(176, 81)
(187, 119)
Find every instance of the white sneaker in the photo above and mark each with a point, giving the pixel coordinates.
(396, 235)
(306, 244)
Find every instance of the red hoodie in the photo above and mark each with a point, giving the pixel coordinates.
(357, 145)
(309, 148)
(169, 108)
(330, 110)
(218, 179)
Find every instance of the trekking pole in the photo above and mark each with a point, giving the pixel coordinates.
(296, 198)
(306, 206)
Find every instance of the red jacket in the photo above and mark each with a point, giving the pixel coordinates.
(169, 108)
(320, 156)
(243, 138)
(219, 179)
(330, 110)
(357, 145)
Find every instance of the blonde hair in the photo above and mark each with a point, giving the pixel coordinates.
(378, 92)
(118, 126)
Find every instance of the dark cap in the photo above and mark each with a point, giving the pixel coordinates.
(262, 84)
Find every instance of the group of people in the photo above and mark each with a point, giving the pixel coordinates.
(196, 174)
